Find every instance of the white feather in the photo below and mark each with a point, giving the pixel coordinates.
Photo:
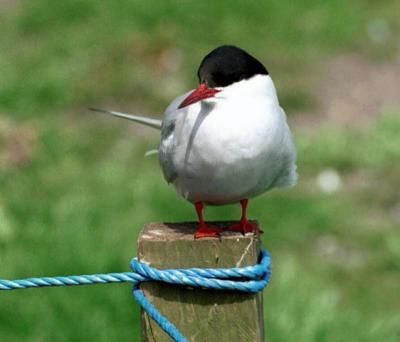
(150, 153)
(234, 145)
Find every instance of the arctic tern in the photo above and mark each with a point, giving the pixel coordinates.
(226, 141)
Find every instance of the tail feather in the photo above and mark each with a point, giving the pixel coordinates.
(151, 152)
(155, 123)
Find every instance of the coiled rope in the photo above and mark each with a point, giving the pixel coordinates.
(247, 279)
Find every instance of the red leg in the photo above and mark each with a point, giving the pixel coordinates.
(244, 226)
(204, 230)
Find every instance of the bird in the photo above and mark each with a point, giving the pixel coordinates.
(226, 141)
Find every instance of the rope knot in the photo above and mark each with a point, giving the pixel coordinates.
(247, 279)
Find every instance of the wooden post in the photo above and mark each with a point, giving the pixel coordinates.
(201, 315)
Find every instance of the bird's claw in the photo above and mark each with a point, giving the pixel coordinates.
(206, 232)
(245, 227)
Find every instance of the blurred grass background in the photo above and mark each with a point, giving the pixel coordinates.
(75, 188)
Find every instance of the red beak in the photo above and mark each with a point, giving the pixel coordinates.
(201, 93)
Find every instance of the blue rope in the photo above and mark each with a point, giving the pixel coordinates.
(247, 279)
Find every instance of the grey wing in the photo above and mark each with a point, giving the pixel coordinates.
(289, 175)
(166, 151)
(168, 142)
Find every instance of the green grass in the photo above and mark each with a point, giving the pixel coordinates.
(61, 55)
(76, 200)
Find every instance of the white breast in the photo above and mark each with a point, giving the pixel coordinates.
(233, 146)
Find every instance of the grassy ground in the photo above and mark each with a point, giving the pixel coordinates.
(75, 188)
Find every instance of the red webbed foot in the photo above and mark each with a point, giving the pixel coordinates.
(206, 231)
(245, 227)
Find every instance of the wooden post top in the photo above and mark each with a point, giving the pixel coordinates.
(201, 315)
(180, 249)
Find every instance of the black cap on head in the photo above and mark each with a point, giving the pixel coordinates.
(228, 64)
